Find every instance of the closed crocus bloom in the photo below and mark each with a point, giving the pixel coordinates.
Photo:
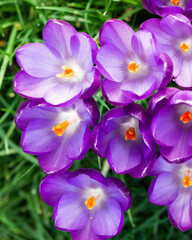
(174, 35)
(86, 204)
(165, 7)
(171, 125)
(59, 70)
(58, 135)
(172, 186)
(124, 138)
(131, 63)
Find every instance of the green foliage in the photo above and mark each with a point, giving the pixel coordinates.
(23, 215)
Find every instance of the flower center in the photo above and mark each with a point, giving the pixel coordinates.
(175, 2)
(133, 67)
(92, 201)
(184, 47)
(186, 117)
(187, 180)
(69, 72)
(60, 128)
(130, 134)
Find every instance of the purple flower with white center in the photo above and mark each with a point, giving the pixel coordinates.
(86, 204)
(165, 7)
(174, 35)
(131, 63)
(58, 135)
(59, 70)
(124, 138)
(172, 186)
(171, 126)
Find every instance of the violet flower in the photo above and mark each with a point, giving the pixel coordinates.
(172, 186)
(131, 63)
(59, 70)
(86, 204)
(165, 7)
(58, 135)
(171, 126)
(174, 35)
(124, 138)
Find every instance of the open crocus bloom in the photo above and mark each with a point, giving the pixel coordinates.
(165, 7)
(171, 126)
(124, 138)
(58, 135)
(59, 70)
(131, 63)
(86, 204)
(174, 35)
(173, 187)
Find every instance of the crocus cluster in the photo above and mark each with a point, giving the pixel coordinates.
(59, 77)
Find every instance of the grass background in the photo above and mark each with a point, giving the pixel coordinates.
(23, 215)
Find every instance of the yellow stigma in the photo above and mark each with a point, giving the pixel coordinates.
(175, 2)
(130, 134)
(69, 72)
(90, 202)
(60, 128)
(133, 67)
(187, 181)
(184, 47)
(186, 117)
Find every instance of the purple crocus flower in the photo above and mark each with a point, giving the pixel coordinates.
(131, 63)
(174, 35)
(124, 138)
(58, 135)
(86, 204)
(171, 125)
(59, 70)
(165, 7)
(172, 186)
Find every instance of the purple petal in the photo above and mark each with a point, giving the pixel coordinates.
(70, 212)
(180, 211)
(183, 97)
(166, 127)
(164, 189)
(184, 78)
(108, 220)
(129, 152)
(119, 33)
(80, 142)
(63, 93)
(112, 63)
(81, 51)
(38, 137)
(120, 192)
(57, 34)
(52, 187)
(32, 87)
(39, 60)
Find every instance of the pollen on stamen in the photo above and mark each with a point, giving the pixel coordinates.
(184, 47)
(133, 67)
(60, 128)
(130, 134)
(90, 202)
(175, 2)
(68, 73)
(186, 117)
(187, 181)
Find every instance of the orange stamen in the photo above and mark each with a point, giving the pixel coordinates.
(175, 2)
(184, 47)
(186, 117)
(130, 134)
(60, 128)
(187, 181)
(133, 67)
(69, 72)
(90, 202)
